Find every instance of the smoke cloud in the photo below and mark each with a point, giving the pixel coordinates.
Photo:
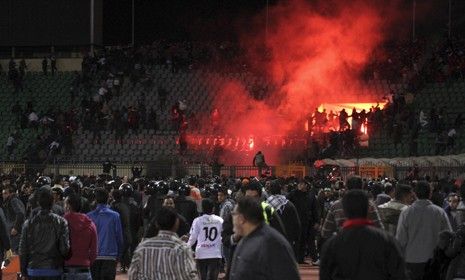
(312, 54)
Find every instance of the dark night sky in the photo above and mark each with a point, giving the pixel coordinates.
(176, 19)
(221, 19)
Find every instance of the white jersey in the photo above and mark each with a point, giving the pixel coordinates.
(206, 231)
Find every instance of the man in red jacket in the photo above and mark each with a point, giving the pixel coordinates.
(83, 239)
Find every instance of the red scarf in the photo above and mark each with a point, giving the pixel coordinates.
(356, 223)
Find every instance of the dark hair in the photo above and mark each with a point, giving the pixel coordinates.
(207, 206)
(223, 190)
(251, 209)
(75, 186)
(388, 187)
(376, 188)
(101, 195)
(355, 204)
(402, 190)
(191, 181)
(10, 188)
(74, 201)
(275, 187)
(422, 189)
(354, 182)
(254, 186)
(152, 229)
(45, 198)
(117, 195)
(166, 218)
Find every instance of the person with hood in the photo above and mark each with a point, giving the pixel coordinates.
(288, 213)
(83, 240)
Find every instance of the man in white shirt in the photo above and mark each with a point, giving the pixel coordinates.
(206, 232)
(418, 230)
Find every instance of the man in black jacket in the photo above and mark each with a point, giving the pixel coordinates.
(262, 253)
(306, 204)
(124, 214)
(14, 214)
(361, 251)
(185, 205)
(44, 242)
(230, 238)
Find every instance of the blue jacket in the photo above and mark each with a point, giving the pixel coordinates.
(109, 232)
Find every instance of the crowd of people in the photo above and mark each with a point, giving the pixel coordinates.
(104, 73)
(81, 227)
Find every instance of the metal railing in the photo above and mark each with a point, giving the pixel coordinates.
(165, 170)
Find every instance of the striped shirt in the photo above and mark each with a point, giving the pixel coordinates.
(163, 257)
(335, 218)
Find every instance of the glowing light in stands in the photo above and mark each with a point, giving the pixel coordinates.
(251, 143)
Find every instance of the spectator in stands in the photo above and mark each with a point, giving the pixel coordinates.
(162, 95)
(164, 256)
(361, 251)
(110, 237)
(262, 251)
(22, 68)
(33, 119)
(291, 220)
(53, 64)
(15, 213)
(44, 242)
(44, 65)
(418, 230)
(17, 112)
(390, 211)
(335, 217)
(423, 119)
(451, 135)
(259, 161)
(83, 239)
(458, 121)
(10, 145)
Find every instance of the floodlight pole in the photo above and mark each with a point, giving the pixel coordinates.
(413, 19)
(450, 17)
(132, 24)
(92, 18)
